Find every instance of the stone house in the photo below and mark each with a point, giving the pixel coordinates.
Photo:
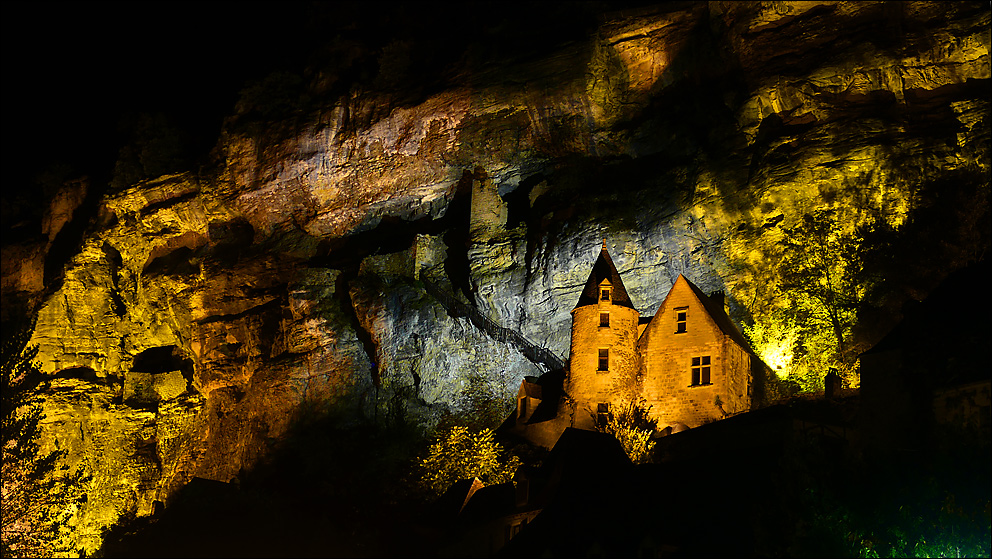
(688, 362)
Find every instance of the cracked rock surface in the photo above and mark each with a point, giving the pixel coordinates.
(289, 278)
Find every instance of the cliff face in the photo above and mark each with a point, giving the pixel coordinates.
(319, 268)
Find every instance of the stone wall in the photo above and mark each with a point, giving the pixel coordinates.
(667, 361)
(587, 385)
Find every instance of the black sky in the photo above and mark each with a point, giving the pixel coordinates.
(71, 71)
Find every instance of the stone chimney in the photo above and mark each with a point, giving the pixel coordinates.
(831, 384)
(719, 298)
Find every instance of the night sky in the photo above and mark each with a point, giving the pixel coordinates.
(74, 72)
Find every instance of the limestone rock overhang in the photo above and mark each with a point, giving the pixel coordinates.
(604, 269)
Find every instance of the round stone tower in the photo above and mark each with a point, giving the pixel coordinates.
(603, 360)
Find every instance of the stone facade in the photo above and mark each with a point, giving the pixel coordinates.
(693, 371)
(604, 357)
(688, 363)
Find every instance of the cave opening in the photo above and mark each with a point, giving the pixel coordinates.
(162, 359)
(82, 373)
(176, 262)
(457, 238)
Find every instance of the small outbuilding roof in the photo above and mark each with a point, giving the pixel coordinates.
(531, 389)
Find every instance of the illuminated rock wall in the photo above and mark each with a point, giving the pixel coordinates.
(283, 280)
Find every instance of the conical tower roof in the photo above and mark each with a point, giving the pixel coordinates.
(604, 269)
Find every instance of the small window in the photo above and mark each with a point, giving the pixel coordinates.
(700, 370)
(604, 294)
(604, 319)
(681, 315)
(602, 414)
(523, 407)
(604, 359)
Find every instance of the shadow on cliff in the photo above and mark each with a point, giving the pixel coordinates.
(326, 491)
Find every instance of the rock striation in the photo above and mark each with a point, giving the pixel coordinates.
(204, 313)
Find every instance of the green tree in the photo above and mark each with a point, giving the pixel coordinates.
(460, 453)
(822, 275)
(632, 426)
(39, 493)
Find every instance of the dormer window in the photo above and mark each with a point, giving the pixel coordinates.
(681, 317)
(604, 294)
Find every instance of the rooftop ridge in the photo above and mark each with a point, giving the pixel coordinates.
(604, 269)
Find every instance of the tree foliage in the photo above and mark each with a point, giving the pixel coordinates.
(39, 492)
(822, 274)
(461, 453)
(929, 505)
(632, 426)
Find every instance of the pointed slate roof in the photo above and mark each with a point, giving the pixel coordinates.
(604, 269)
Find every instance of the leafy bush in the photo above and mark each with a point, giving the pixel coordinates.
(460, 453)
(630, 424)
(39, 492)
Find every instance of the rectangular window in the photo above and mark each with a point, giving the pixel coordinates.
(523, 407)
(602, 414)
(681, 315)
(604, 319)
(700, 370)
(604, 360)
(604, 294)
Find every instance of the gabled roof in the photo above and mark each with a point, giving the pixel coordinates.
(489, 502)
(604, 269)
(454, 499)
(714, 308)
(531, 389)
